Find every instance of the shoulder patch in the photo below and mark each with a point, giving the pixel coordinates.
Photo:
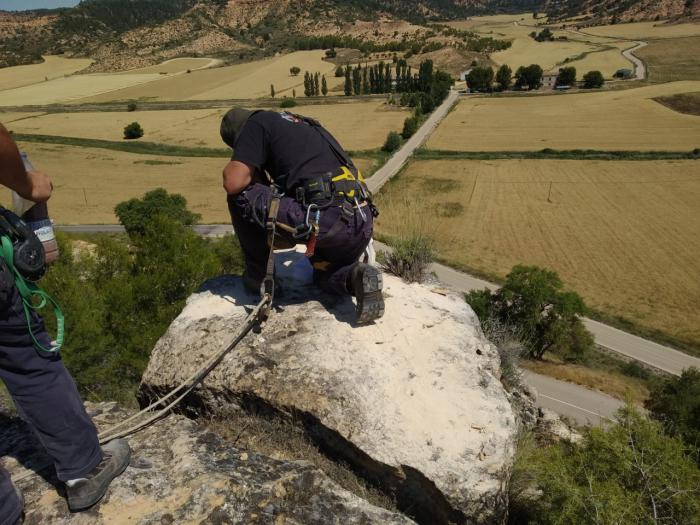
(290, 118)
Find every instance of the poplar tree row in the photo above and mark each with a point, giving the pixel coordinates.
(368, 79)
(315, 84)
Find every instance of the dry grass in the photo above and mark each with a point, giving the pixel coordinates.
(688, 103)
(645, 30)
(624, 234)
(89, 183)
(358, 126)
(605, 60)
(611, 383)
(672, 59)
(250, 80)
(285, 440)
(609, 120)
(52, 67)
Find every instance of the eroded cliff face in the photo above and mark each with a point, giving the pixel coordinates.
(413, 403)
(182, 473)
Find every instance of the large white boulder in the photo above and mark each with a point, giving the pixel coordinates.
(413, 402)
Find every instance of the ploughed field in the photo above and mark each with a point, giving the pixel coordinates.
(624, 234)
(90, 182)
(608, 120)
(357, 125)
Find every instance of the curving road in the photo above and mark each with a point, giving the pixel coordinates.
(640, 68)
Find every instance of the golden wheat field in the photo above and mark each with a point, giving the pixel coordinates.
(90, 182)
(623, 234)
(52, 67)
(645, 30)
(608, 59)
(358, 126)
(609, 120)
(249, 80)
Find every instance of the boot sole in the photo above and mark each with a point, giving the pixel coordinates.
(79, 505)
(371, 305)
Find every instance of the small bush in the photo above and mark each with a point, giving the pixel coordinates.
(133, 131)
(410, 126)
(131, 106)
(288, 103)
(410, 257)
(392, 143)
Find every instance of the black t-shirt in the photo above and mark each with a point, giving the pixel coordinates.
(288, 148)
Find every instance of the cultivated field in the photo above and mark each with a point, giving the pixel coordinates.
(672, 59)
(625, 235)
(609, 120)
(358, 126)
(69, 89)
(90, 182)
(607, 60)
(645, 30)
(52, 67)
(250, 80)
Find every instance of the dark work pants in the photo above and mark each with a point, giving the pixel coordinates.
(335, 253)
(47, 399)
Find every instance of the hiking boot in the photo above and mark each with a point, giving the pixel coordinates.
(86, 493)
(366, 285)
(254, 286)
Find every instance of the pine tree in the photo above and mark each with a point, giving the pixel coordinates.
(380, 78)
(324, 86)
(365, 81)
(372, 81)
(357, 80)
(387, 79)
(348, 81)
(307, 84)
(317, 85)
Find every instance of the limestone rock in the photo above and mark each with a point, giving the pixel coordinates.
(414, 402)
(180, 473)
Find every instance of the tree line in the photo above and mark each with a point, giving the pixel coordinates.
(527, 77)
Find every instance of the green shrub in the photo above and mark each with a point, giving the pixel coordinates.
(548, 317)
(630, 472)
(392, 143)
(410, 257)
(120, 296)
(133, 131)
(288, 103)
(410, 126)
(131, 106)
(593, 80)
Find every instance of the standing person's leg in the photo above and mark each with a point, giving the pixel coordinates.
(10, 503)
(46, 396)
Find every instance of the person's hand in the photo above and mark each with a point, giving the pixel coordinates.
(39, 187)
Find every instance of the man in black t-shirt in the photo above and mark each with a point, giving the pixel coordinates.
(324, 203)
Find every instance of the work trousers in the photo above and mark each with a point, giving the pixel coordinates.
(342, 238)
(46, 398)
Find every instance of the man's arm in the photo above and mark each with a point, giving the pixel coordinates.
(237, 177)
(33, 185)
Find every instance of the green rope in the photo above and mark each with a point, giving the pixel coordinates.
(28, 291)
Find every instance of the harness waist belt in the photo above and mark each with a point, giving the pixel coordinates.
(334, 189)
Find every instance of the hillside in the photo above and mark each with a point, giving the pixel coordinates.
(613, 11)
(123, 34)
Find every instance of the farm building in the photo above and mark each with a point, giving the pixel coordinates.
(549, 80)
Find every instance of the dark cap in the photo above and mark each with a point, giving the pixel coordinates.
(232, 124)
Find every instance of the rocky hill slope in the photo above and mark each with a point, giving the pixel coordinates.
(614, 11)
(121, 34)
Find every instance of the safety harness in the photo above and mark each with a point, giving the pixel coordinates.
(25, 259)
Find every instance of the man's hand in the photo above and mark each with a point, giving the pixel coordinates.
(40, 187)
(34, 185)
(237, 177)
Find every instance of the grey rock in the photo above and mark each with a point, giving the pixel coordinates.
(181, 473)
(413, 402)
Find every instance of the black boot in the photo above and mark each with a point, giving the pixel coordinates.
(86, 493)
(366, 285)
